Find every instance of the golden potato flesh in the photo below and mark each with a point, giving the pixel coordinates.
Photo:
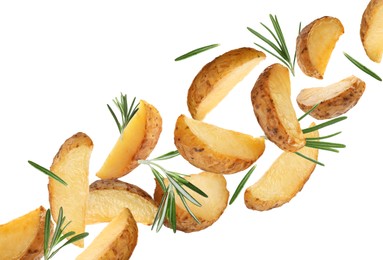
(371, 30)
(283, 180)
(72, 165)
(214, 185)
(315, 44)
(218, 77)
(215, 149)
(271, 99)
(23, 237)
(334, 100)
(136, 142)
(116, 241)
(108, 197)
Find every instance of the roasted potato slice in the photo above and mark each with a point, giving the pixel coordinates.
(136, 142)
(202, 145)
(214, 185)
(215, 80)
(71, 164)
(283, 180)
(315, 44)
(116, 241)
(272, 106)
(23, 237)
(108, 197)
(334, 100)
(371, 30)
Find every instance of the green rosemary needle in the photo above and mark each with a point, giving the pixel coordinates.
(47, 172)
(362, 67)
(196, 51)
(241, 185)
(127, 112)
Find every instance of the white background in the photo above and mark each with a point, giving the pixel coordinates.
(61, 62)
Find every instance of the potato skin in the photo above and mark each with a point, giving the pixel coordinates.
(201, 156)
(337, 105)
(266, 114)
(206, 79)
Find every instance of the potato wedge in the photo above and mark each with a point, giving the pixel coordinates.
(201, 144)
(71, 163)
(116, 241)
(315, 44)
(334, 100)
(137, 141)
(23, 237)
(371, 30)
(214, 185)
(215, 80)
(272, 106)
(283, 180)
(108, 197)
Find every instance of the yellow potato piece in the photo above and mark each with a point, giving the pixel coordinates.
(136, 142)
(202, 145)
(371, 30)
(283, 180)
(72, 165)
(116, 241)
(315, 44)
(214, 185)
(23, 237)
(108, 197)
(215, 80)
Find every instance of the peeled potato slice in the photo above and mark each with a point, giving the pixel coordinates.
(315, 44)
(214, 185)
(371, 30)
(71, 164)
(108, 197)
(218, 77)
(334, 100)
(136, 142)
(215, 149)
(272, 106)
(23, 237)
(116, 241)
(283, 180)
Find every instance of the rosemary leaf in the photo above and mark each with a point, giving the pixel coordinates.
(196, 51)
(188, 208)
(308, 112)
(48, 172)
(328, 144)
(167, 156)
(308, 158)
(362, 67)
(322, 137)
(241, 185)
(186, 194)
(126, 113)
(325, 124)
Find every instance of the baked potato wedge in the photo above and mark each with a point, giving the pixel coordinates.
(283, 180)
(71, 164)
(23, 237)
(201, 145)
(315, 44)
(214, 185)
(116, 241)
(271, 99)
(136, 142)
(371, 30)
(334, 100)
(215, 80)
(108, 197)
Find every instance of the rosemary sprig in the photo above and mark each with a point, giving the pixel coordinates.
(58, 235)
(48, 172)
(167, 207)
(127, 112)
(362, 67)
(241, 185)
(196, 51)
(281, 51)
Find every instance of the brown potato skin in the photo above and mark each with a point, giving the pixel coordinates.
(214, 71)
(201, 156)
(339, 104)
(268, 119)
(367, 18)
(303, 57)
